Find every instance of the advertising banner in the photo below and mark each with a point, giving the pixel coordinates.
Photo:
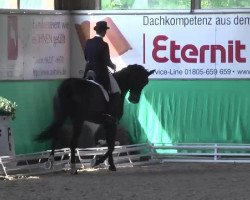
(34, 46)
(186, 46)
(11, 65)
(46, 46)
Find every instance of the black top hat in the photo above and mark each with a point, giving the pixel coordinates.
(101, 26)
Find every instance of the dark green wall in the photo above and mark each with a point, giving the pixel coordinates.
(169, 111)
(203, 111)
(34, 111)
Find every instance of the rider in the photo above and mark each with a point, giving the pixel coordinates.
(97, 56)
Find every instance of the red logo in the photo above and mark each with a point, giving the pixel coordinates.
(191, 53)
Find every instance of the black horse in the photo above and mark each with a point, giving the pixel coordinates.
(80, 100)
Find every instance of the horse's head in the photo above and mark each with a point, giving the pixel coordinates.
(137, 80)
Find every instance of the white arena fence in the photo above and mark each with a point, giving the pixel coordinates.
(125, 156)
(39, 163)
(202, 152)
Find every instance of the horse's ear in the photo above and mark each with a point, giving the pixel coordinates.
(151, 72)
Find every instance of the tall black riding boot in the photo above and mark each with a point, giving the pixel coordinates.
(112, 108)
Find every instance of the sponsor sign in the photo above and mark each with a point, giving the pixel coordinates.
(185, 46)
(34, 46)
(188, 46)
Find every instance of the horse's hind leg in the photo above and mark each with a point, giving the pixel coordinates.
(77, 126)
(51, 159)
(59, 119)
(49, 164)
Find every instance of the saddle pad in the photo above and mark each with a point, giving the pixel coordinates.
(105, 93)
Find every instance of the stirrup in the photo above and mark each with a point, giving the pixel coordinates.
(109, 118)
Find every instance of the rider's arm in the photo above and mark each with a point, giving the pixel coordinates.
(107, 58)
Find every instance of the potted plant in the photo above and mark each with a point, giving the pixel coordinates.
(7, 112)
(7, 108)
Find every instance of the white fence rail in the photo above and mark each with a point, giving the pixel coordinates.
(130, 155)
(35, 163)
(39, 163)
(226, 153)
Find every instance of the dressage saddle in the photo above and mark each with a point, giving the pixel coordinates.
(91, 76)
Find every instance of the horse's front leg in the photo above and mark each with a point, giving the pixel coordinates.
(77, 126)
(110, 131)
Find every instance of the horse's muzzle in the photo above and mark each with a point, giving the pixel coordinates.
(133, 98)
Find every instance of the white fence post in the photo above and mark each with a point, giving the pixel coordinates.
(215, 152)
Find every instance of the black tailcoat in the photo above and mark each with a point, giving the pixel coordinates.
(97, 55)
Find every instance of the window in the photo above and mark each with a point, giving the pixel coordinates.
(172, 4)
(37, 4)
(145, 4)
(27, 4)
(211, 4)
(8, 4)
(128, 4)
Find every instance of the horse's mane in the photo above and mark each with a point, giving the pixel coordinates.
(130, 68)
(136, 67)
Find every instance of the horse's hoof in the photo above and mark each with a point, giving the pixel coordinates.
(48, 164)
(73, 172)
(94, 163)
(73, 169)
(112, 168)
(106, 162)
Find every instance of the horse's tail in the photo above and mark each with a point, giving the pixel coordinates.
(51, 132)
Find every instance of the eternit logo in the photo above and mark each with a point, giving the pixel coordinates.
(191, 53)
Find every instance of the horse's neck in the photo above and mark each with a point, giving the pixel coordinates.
(123, 94)
(122, 80)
